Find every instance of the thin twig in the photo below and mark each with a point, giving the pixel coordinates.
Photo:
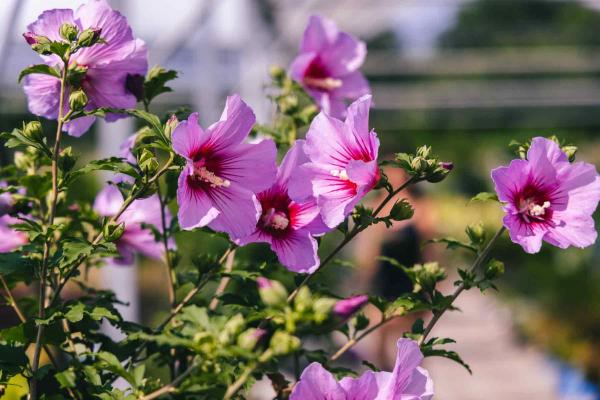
(476, 264)
(214, 303)
(171, 387)
(352, 342)
(241, 380)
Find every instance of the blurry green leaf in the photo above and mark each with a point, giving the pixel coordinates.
(38, 69)
(485, 196)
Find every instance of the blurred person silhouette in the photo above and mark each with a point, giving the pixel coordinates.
(402, 242)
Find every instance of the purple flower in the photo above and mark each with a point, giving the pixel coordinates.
(10, 239)
(105, 65)
(327, 66)
(347, 307)
(135, 238)
(289, 226)
(126, 149)
(407, 381)
(343, 162)
(548, 198)
(218, 184)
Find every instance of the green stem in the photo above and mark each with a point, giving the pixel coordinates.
(47, 243)
(243, 378)
(352, 342)
(481, 257)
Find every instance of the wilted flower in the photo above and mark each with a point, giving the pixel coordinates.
(136, 238)
(218, 184)
(548, 198)
(345, 308)
(104, 67)
(407, 380)
(289, 226)
(327, 66)
(343, 162)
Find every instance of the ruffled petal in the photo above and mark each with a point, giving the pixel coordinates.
(290, 163)
(188, 137)
(510, 180)
(233, 127)
(42, 93)
(320, 33)
(574, 229)
(49, 22)
(327, 142)
(362, 388)
(239, 210)
(579, 187)
(528, 236)
(345, 55)
(297, 251)
(420, 386)
(407, 360)
(302, 214)
(316, 383)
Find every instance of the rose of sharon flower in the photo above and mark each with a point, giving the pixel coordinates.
(218, 184)
(106, 65)
(327, 66)
(343, 162)
(9, 238)
(289, 226)
(135, 238)
(548, 198)
(345, 308)
(407, 381)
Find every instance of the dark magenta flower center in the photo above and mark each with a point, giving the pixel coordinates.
(318, 77)
(534, 205)
(275, 218)
(206, 172)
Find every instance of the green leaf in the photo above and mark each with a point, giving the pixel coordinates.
(485, 196)
(73, 249)
(114, 164)
(110, 362)
(451, 355)
(12, 359)
(452, 244)
(66, 378)
(17, 266)
(38, 69)
(155, 83)
(75, 313)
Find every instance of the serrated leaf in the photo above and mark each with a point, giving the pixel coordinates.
(75, 313)
(449, 354)
(38, 69)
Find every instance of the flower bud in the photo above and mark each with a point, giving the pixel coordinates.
(447, 165)
(276, 72)
(231, 329)
(33, 130)
(66, 159)
(476, 233)
(250, 338)
(78, 100)
(494, 269)
(68, 32)
(89, 37)
(148, 162)
(423, 151)
(402, 210)
(113, 231)
(345, 308)
(322, 308)
(32, 39)
(440, 172)
(21, 160)
(272, 293)
(171, 125)
(283, 343)
(303, 299)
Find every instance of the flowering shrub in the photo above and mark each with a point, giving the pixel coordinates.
(227, 186)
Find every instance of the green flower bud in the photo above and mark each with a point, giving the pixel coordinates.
(22, 160)
(68, 32)
(476, 233)
(322, 308)
(250, 338)
(66, 159)
(401, 211)
(283, 343)
(232, 329)
(148, 162)
(171, 125)
(113, 231)
(272, 293)
(78, 100)
(89, 37)
(33, 130)
(303, 299)
(494, 269)
(277, 73)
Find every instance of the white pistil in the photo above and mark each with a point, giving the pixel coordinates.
(323, 83)
(275, 219)
(535, 210)
(340, 173)
(207, 176)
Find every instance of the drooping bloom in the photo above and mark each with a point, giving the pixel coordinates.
(136, 238)
(289, 226)
(548, 198)
(218, 184)
(343, 162)
(407, 381)
(105, 66)
(345, 308)
(328, 66)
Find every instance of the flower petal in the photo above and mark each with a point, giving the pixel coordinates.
(362, 388)
(510, 180)
(233, 127)
(420, 386)
(407, 360)
(251, 166)
(108, 201)
(297, 251)
(319, 33)
(353, 86)
(239, 210)
(42, 94)
(188, 137)
(528, 236)
(195, 206)
(577, 229)
(316, 383)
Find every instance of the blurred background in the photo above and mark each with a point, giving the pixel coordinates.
(465, 76)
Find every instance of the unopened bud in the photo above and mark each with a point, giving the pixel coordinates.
(401, 211)
(272, 293)
(113, 231)
(231, 329)
(423, 151)
(276, 72)
(494, 269)
(439, 173)
(33, 130)
(476, 233)
(171, 125)
(447, 165)
(68, 32)
(66, 159)
(345, 308)
(283, 343)
(32, 39)
(250, 338)
(322, 308)
(78, 100)
(303, 299)
(148, 162)
(89, 37)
